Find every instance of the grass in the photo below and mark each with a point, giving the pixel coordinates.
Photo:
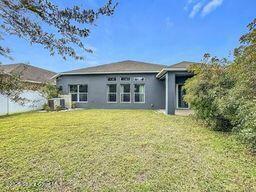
(119, 150)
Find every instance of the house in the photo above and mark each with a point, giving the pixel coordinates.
(127, 85)
(35, 78)
(29, 73)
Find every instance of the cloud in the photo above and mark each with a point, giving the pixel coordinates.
(168, 22)
(196, 8)
(187, 4)
(209, 7)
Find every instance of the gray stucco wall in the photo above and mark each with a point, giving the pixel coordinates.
(97, 91)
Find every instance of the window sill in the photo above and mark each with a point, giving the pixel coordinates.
(81, 101)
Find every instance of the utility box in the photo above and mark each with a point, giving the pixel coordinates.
(68, 102)
(56, 102)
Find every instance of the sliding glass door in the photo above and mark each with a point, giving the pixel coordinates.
(181, 104)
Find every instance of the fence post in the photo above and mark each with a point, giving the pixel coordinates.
(7, 103)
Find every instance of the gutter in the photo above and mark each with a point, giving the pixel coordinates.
(165, 70)
(102, 73)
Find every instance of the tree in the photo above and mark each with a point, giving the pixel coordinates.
(206, 90)
(27, 18)
(224, 96)
(42, 22)
(243, 95)
(50, 91)
(11, 86)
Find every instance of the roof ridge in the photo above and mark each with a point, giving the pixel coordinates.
(17, 65)
(124, 62)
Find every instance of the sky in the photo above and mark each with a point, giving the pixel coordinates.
(157, 31)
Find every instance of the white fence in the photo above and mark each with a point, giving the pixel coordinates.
(36, 101)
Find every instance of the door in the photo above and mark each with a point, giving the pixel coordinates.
(180, 97)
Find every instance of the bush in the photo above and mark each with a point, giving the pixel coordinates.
(205, 91)
(224, 95)
(247, 126)
(46, 107)
(58, 108)
(73, 105)
(50, 91)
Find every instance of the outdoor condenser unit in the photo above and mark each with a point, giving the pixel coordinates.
(56, 102)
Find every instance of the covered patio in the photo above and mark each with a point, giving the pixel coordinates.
(174, 78)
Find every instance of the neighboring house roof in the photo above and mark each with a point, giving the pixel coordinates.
(28, 72)
(118, 67)
(180, 67)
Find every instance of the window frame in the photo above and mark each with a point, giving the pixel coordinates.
(78, 93)
(177, 97)
(134, 93)
(111, 80)
(125, 80)
(139, 80)
(121, 93)
(111, 93)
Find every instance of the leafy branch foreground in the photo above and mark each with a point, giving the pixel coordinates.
(66, 28)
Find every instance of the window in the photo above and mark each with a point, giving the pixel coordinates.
(60, 89)
(111, 78)
(111, 93)
(139, 93)
(78, 92)
(125, 78)
(125, 93)
(139, 79)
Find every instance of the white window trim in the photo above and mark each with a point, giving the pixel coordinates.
(125, 101)
(139, 93)
(125, 93)
(111, 93)
(125, 80)
(177, 98)
(112, 77)
(134, 79)
(78, 93)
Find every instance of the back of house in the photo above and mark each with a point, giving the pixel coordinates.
(127, 85)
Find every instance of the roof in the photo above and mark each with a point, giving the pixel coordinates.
(127, 66)
(183, 64)
(28, 72)
(179, 67)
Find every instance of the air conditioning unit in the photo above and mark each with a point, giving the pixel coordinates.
(56, 102)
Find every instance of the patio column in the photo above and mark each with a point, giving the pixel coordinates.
(170, 93)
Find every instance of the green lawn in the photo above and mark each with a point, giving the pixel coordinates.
(119, 150)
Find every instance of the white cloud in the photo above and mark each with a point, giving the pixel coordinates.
(196, 8)
(212, 5)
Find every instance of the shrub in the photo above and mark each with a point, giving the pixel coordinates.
(224, 95)
(58, 108)
(46, 107)
(50, 91)
(73, 105)
(206, 90)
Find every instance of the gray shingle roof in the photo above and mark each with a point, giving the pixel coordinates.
(178, 67)
(183, 64)
(28, 72)
(122, 66)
